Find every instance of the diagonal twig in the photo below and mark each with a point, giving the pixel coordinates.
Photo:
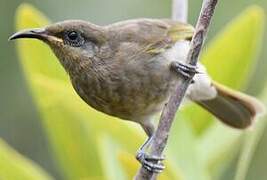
(161, 135)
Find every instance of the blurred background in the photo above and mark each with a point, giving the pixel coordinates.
(20, 123)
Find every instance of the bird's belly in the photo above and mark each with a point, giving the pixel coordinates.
(130, 96)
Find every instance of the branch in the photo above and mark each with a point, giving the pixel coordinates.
(161, 135)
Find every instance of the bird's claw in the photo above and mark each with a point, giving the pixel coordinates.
(187, 70)
(151, 163)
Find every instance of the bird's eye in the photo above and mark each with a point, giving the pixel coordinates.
(74, 38)
(73, 35)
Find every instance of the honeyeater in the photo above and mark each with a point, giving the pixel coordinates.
(129, 69)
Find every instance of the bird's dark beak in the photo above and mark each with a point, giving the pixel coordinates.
(38, 33)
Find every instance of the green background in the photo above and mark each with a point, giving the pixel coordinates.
(19, 121)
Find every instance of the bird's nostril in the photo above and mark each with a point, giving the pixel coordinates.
(37, 31)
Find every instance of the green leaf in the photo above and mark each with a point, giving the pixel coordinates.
(14, 166)
(109, 151)
(231, 57)
(252, 139)
(129, 163)
(217, 147)
(183, 152)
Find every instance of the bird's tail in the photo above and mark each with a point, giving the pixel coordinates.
(234, 108)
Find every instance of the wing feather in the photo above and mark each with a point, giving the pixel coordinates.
(144, 37)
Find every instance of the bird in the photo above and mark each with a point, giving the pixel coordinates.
(129, 69)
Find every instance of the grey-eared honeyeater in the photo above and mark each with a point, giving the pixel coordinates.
(129, 69)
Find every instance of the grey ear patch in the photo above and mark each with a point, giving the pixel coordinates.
(89, 49)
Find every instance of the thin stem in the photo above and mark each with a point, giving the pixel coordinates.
(180, 10)
(161, 135)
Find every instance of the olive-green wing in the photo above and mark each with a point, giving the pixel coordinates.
(148, 36)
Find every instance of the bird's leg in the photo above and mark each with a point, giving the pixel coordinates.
(186, 70)
(151, 163)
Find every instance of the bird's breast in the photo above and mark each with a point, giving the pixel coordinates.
(130, 92)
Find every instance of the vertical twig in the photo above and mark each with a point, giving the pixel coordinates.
(180, 10)
(168, 113)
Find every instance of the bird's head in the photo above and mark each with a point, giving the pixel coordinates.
(75, 43)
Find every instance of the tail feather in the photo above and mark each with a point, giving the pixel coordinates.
(234, 108)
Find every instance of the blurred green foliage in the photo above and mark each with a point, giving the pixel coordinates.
(89, 145)
(15, 166)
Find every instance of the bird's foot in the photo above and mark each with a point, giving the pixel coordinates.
(151, 163)
(186, 70)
